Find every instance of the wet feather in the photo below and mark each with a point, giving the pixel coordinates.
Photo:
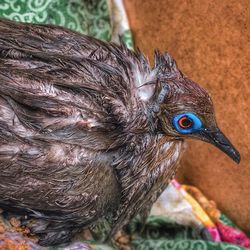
(84, 133)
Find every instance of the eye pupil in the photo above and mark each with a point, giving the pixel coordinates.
(185, 122)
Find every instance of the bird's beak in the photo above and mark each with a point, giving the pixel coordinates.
(217, 138)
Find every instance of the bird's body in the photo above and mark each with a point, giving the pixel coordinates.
(81, 136)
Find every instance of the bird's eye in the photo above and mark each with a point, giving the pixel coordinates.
(186, 123)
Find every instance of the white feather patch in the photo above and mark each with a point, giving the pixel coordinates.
(145, 91)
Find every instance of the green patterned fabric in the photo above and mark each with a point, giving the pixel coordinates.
(182, 245)
(85, 16)
(164, 234)
(161, 233)
(127, 38)
(227, 221)
(90, 17)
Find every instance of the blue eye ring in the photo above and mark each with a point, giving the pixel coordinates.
(186, 123)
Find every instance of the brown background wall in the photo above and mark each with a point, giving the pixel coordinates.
(210, 40)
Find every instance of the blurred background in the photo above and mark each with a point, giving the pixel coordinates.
(210, 40)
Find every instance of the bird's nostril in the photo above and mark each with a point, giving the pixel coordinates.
(220, 141)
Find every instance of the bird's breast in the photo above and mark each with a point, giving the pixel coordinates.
(164, 162)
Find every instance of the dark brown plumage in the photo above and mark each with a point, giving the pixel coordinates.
(87, 129)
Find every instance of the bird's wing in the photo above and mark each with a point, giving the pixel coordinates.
(48, 178)
(59, 111)
(43, 110)
(59, 80)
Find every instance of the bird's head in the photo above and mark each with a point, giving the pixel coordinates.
(184, 109)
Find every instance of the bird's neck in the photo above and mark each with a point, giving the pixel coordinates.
(151, 156)
(144, 170)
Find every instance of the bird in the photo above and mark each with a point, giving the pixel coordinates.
(90, 130)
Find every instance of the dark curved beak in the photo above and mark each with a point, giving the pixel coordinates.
(218, 139)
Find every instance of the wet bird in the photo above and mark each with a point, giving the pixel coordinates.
(89, 130)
